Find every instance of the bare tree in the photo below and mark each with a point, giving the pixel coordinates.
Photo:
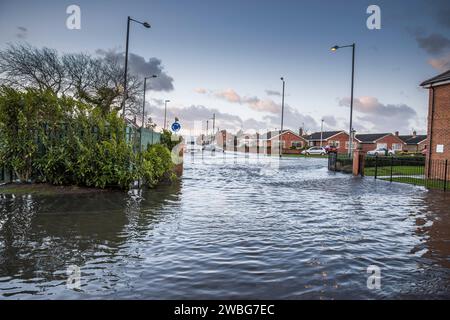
(94, 80)
(23, 66)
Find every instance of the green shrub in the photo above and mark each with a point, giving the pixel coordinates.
(62, 141)
(157, 165)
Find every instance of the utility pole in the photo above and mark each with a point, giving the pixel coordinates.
(321, 134)
(282, 119)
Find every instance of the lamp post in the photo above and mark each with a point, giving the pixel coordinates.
(280, 145)
(321, 134)
(353, 45)
(143, 110)
(125, 93)
(165, 113)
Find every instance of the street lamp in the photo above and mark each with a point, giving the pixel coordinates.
(335, 48)
(321, 134)
(125, 93)
(165, 113)
(143, 109)
(282, 119)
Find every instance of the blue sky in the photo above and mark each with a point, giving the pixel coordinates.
(223, 56)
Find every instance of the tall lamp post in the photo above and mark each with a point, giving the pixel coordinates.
(280, 145)
(353, 45)
(143, 110)
(125, 93)
(165, 113)
(321, 134)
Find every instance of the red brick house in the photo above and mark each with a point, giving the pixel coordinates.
(372, 141)
(339, 139)
(414, 143)
(290, 140)
(438, 116)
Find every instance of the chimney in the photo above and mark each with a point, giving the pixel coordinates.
(300, 132)
(414, 133)
(396, 133)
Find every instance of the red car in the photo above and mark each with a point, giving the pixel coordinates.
(329, 149)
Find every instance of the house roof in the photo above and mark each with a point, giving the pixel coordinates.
(413, 139)
(370, 137)
(325, 135)
(445, 76)
(273, 134)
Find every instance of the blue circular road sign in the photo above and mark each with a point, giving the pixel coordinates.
(176, 126)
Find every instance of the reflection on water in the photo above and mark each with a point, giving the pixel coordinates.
(235, 227)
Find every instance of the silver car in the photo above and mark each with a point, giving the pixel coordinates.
(315, 150)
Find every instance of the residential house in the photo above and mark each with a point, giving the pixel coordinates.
(414, 143)
(438, 117)
(339, 139)
(372, 141)
(289, 138)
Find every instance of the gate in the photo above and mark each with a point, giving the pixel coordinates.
(332, 160)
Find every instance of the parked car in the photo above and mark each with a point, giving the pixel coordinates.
(315, 150)
(329, 149)
(380, 152)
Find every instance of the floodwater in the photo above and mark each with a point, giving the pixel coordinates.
(236, 226)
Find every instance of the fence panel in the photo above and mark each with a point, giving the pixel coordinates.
(149, 137)
(412, 170)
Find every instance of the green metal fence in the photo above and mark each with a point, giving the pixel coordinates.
(132, 134)
(149, 137)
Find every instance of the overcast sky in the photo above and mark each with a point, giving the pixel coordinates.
(228, 56)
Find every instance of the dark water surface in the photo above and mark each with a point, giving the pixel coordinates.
(234, 227)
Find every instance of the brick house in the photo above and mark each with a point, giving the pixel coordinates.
(372, 141)
(339, 139)
(414, 143)
(289, 139)
(438, 117)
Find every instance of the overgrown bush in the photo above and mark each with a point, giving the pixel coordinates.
(157, 165)
(59, 140)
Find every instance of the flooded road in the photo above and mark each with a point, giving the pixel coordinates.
(234, 227)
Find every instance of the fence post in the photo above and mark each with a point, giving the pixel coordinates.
(445, 175)
(335, 161)
(392, 166)
(376, 166)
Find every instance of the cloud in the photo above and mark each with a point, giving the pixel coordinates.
(434, 43)
(191, 116)
(330, 121)
(441, 64)
(201, 90)
(143, 68)
(381, 117)
(293, 119)
(254, 103)
(22, 32)
(229, 95)
(273, 93)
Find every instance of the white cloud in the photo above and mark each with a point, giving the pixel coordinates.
(441, 64)
(380, 117)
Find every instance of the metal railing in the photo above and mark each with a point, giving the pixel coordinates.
(434, 174)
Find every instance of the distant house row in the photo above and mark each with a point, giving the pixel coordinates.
(369, 141)
(340, 139)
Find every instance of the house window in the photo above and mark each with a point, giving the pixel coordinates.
(297, 144)
(381, 145)
(396, 146)
(346, 145)
(336, 144)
